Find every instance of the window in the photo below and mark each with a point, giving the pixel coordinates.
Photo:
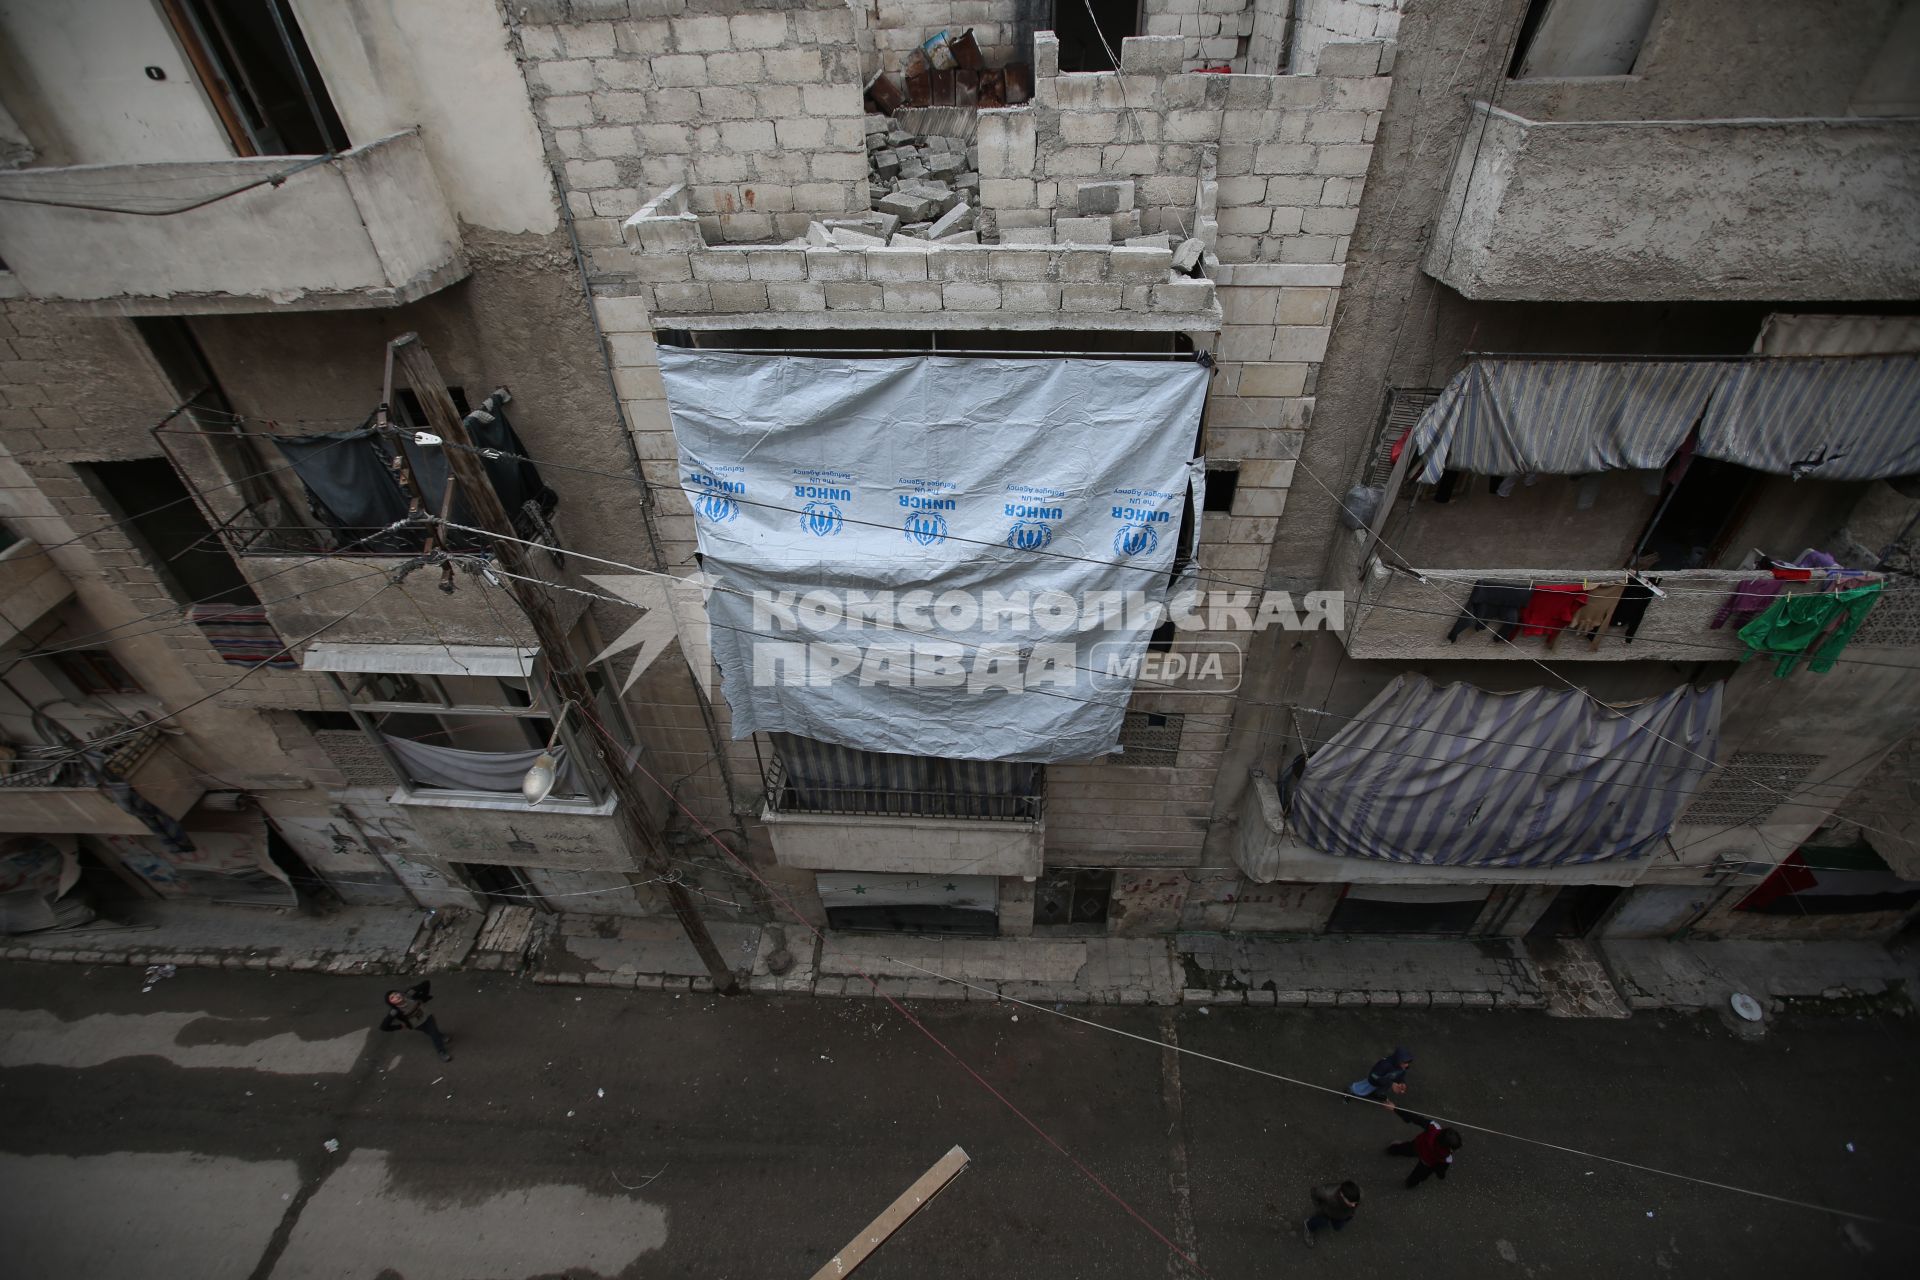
(1163, 637)
(1150, 740)
(808, 776)
(1073, 900)
(1581, 38)
(1222, 483)
(1087, 31)
(155, 512)
(259, 73)
(94, 672)
(1398, 417)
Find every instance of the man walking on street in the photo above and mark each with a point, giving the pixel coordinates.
(408, 1010)
(1389, 1075)
(1336, 1203)
(1433, 1149)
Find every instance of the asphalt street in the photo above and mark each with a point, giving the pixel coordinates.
(182, 1132)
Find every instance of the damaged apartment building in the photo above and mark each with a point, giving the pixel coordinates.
(1401, 310)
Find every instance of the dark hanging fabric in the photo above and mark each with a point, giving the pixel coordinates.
(528, 501)
(1632, 609)
(349, 486)
(1494, 605)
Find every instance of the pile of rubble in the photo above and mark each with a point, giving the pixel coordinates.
(923, 182)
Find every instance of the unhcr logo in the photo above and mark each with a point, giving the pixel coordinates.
(928, 528)
(821, 519)
(1030, 535)
(713, 497)
(1135, 540)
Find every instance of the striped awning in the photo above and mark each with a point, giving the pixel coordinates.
(1833, 418)
(1841, 418)
(1562, 417)
(1451, 775)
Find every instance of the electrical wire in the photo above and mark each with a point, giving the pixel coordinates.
(129, 521)
(97, 743)
(272, 179)
(1162, 1045)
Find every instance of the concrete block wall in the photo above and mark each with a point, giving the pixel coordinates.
(950, 286)
(1269, 40)
(1317, 23)
(889, 30)
(757, 109)
(1290, 152)
(1213, 33)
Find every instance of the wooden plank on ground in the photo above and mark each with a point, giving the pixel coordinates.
(911, 1201)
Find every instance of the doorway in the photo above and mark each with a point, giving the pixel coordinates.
(1698, 517)
(1073, 901)
(1576, 911)
(497, 882)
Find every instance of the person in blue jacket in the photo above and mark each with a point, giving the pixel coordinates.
(1389, 1075)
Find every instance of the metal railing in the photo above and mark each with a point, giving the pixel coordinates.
(788, 795)
(54, 768)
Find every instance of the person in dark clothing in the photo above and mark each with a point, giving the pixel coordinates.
(407, 1010)
(1334, 1205)
(1432, 1150)
(1389, 1075)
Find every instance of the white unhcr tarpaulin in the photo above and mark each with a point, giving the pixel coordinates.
(934, 555)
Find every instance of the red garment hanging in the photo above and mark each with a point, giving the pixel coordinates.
(1551, 607)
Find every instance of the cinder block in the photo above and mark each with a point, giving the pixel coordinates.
(796, 297)
(1091, 298)
(1183, 295)
(1348, 58)
(776, 264)
(1028, 295)
(962, 296)
(1096, 230)
(912, 297)
(738, 297)
(848, 296)
(1149, 265)
(1154, 55)
(893, 266)
(1092, 198)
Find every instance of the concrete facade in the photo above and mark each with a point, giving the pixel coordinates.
(1401, 326)
(602, 176)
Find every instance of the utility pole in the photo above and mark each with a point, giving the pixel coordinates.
(470, 474)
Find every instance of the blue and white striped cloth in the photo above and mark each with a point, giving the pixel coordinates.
(1824, 419)
(1829, 418)
(1562, 417)
(1451, 775)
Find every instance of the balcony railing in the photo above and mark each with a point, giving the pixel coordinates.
(50, 768)
(787, 795)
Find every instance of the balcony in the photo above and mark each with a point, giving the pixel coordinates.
(366, 228)
(303, 593)
(885, 829)
(1679, 210)
(39, 798)
(1399, 617)
(31, 586)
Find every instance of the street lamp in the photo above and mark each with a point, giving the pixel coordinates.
(545, 771)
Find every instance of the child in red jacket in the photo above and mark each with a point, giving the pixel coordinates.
(1433, 1148)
